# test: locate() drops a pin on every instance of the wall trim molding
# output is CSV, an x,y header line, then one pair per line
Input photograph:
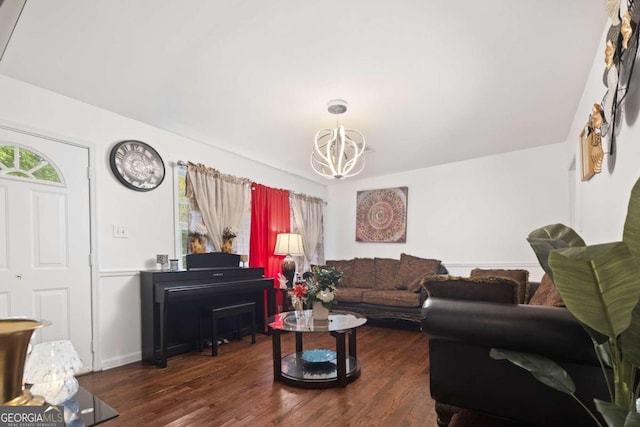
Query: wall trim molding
x,y
464,268
118,273
495,264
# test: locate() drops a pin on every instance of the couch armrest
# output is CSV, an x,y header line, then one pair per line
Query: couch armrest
x,y
552,332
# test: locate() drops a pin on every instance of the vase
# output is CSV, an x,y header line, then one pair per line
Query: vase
x,y
197,244
320,312
227,245
14,341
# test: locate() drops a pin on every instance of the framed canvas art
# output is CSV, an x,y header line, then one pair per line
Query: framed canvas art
x,y
381,215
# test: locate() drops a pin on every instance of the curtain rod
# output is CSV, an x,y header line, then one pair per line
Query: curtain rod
x,y
183,164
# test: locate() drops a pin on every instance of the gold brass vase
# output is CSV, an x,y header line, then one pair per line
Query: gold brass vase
x,y
14,340
227,245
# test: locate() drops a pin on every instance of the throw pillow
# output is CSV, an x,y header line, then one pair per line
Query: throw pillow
x,y
386,270
346,266
520,276
364,274
412,270
547,294
492,289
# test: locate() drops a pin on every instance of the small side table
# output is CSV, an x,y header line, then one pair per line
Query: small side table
x,y
89,408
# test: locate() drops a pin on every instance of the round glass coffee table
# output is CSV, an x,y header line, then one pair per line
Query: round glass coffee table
x,y
316,368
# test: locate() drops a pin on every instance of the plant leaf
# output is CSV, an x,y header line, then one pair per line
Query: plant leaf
x,y
613,414
595,335
630,338
599,284
632,420
631,233
554,236
544,370
604,351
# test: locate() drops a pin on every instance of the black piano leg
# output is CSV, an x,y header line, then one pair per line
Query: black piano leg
x,y
162,363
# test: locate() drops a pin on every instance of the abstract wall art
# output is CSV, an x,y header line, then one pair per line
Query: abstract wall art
x,y
381,215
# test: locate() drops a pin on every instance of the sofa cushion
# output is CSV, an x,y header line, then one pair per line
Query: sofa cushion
x,y
364,274
520,276
346,266
492,289
547,294
349,294
386,270
391,298
412,270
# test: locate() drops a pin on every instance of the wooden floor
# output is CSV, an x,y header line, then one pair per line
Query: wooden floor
x,y
237,388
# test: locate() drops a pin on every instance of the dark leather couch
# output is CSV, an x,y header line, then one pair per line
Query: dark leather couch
x,y
464,377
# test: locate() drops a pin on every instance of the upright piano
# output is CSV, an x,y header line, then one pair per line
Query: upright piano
x,y
170,301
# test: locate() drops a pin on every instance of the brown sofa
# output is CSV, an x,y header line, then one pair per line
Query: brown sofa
x,y
385,288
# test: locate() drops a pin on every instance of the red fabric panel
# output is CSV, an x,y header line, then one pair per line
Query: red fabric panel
x,y
270,215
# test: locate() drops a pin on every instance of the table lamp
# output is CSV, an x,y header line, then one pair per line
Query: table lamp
x,y
289,244
50,368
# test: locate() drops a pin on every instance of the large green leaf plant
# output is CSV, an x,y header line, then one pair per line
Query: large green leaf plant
x,y
600,285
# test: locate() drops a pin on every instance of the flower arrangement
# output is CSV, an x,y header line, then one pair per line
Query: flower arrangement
x,y
320,285
229,233
199,231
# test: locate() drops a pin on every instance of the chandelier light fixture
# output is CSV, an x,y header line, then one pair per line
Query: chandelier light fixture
x,y
338,153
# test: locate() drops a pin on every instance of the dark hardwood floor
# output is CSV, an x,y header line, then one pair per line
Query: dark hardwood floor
x,y
237,388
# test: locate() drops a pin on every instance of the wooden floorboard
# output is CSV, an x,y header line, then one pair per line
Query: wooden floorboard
x,y
236,388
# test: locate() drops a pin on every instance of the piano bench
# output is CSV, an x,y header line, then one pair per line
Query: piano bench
x,y
221,311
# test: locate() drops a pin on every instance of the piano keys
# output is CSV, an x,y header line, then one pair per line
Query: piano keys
x,y
170,301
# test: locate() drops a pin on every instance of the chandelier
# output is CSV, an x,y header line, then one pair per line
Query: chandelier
x,y
338,153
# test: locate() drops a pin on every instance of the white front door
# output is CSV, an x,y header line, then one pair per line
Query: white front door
x,y
45,241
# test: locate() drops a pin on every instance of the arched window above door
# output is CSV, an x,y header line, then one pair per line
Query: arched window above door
x,y
21,162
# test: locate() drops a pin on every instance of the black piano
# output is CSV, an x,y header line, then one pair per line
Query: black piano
x,y
170,301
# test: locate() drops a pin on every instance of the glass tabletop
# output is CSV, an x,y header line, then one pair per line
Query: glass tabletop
x,y
303,321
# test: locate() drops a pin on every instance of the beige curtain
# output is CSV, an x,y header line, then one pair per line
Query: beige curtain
x,y
307,220
223,200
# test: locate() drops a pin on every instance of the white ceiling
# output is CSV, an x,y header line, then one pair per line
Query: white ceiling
x,y
427,82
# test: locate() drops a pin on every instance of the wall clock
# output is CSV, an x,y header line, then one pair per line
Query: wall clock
x,y
137,165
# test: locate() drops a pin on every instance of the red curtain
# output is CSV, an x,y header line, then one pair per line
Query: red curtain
x,y
270,215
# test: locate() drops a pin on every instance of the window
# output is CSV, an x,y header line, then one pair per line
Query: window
x,y
183,215
189,218
19,162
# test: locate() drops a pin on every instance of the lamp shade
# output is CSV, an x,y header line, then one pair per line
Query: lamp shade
x,y
51,367
289,244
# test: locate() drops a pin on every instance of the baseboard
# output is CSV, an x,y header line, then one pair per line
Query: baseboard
x,y
125,359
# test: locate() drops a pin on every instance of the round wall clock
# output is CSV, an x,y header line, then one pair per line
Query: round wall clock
x,y
137,165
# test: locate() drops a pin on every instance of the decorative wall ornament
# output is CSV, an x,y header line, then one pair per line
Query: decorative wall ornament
x,y
620,53
591,151
586,160
381,215
136,165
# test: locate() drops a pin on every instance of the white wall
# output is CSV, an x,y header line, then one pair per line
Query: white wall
x,y
148,216
475,213
602,201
